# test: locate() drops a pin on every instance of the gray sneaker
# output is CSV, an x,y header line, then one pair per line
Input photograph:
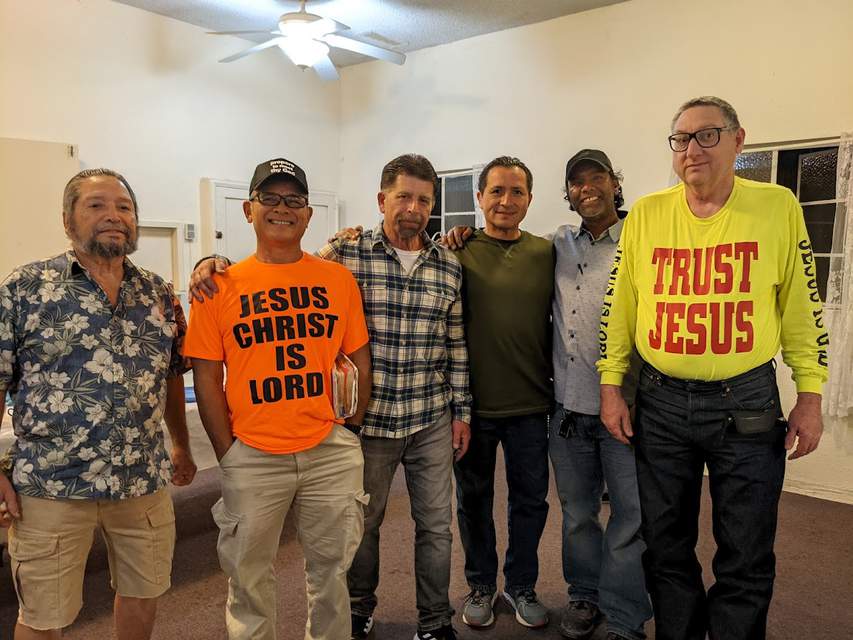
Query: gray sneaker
x,y
477,611
528,610
579,619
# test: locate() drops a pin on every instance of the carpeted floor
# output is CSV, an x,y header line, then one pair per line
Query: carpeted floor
x,y
813,600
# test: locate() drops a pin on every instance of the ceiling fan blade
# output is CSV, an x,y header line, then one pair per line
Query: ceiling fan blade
x,y
258,47
325,69
240,33
342,42
321,27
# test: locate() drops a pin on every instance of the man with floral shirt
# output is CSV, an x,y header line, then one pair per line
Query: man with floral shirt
x,y
90,351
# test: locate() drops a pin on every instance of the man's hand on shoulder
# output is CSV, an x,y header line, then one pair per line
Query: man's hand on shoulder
x,y
348,233
457,237
201,280
805,424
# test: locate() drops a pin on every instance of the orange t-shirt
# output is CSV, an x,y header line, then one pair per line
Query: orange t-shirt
x,y
278,329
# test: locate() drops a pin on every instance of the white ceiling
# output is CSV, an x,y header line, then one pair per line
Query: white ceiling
x,y
402,25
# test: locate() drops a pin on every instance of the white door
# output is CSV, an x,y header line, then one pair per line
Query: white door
x,y
235,238
324,221
32,178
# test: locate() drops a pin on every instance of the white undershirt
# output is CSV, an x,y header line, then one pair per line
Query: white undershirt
x,y
407,258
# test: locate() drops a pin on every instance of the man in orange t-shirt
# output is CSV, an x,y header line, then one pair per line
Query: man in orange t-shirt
x,y
277,326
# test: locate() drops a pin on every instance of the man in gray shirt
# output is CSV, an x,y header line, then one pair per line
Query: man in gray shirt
x,y
603,568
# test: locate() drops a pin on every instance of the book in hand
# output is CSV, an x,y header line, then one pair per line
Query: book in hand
x,y
344,386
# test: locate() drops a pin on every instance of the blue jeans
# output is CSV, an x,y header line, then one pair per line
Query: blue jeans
x,y
603,567
525,446
734,427
427,459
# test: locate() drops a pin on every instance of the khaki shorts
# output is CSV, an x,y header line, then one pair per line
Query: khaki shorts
x,y
51,542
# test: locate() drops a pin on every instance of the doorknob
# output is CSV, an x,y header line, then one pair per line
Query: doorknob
x,y
219,235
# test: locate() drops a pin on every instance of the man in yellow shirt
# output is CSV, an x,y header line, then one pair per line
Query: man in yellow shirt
x,y
711,277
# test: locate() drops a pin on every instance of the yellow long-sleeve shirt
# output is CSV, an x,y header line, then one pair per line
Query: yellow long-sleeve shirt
x,y
711,298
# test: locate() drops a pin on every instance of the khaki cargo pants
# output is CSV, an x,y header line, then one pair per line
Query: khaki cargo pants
x,y
324,487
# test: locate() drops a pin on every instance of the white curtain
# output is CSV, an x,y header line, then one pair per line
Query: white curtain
x,y
838,393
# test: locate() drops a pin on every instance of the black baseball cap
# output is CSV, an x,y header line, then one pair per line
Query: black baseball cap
x,y
588,155
277,167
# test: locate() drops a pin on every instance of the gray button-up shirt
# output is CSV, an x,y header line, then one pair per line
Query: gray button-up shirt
x,y
583,267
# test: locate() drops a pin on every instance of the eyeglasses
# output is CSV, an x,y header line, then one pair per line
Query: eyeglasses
x,y
705,138
291,200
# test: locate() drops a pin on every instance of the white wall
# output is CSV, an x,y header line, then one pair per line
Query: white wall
x,y
144,95
609,78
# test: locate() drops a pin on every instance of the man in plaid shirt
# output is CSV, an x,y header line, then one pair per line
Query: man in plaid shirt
x,y
420,407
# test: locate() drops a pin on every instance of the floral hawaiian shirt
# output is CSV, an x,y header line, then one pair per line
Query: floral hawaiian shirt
x,y
88,380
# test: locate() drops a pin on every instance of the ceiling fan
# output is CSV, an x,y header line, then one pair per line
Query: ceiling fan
x,y
305,38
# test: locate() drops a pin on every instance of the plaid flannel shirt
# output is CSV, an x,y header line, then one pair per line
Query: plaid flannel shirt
x,y
417,340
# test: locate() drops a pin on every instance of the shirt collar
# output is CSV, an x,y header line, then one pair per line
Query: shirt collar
x,y
74,264
614,231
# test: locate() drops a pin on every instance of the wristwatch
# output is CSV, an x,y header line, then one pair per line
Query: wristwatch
x,y
213,256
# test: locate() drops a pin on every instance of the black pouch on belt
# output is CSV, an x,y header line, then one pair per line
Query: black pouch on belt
x,y
752,422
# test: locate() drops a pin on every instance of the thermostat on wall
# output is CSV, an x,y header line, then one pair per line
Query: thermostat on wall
x,y
189,232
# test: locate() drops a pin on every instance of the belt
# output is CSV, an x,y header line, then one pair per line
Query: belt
x,y
709,385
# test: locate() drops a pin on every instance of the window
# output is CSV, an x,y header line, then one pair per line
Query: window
x,y
810,172
454,203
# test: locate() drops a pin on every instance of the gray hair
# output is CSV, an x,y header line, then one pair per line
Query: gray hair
x,y
728,111
72,189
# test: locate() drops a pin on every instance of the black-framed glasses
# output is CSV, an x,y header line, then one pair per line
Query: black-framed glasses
x,y
705,138
291,200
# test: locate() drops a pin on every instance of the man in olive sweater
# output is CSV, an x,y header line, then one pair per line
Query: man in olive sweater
x,y
507,287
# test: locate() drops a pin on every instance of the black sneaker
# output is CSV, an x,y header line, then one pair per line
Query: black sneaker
x,y
579,619
361,626
444,633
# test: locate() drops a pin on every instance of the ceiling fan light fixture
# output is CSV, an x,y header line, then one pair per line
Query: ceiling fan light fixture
x,y
304,52
293,24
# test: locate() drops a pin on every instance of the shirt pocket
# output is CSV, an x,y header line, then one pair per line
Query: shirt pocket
x,y
435,302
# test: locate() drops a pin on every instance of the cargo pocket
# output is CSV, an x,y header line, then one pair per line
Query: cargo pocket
x,y
35,571
354,523
228,546
161,523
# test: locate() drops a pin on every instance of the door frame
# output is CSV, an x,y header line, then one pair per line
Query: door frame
x,y
181,266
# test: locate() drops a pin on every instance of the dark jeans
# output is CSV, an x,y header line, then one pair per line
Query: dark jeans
x,y
600,566
525,446
732,427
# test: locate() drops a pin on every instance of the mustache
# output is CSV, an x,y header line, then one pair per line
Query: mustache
x,y
114,227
